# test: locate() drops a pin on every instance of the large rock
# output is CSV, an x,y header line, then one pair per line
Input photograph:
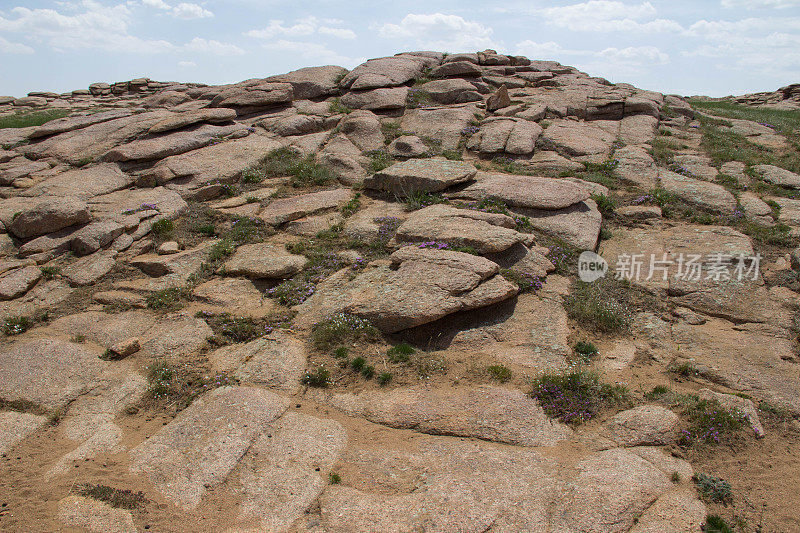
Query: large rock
x,y
17,282
63,125
276,361
377,99
484,412
15,427
285,210
422,290
407,178
264,260
577,225
511,135
312,82
456,69
286,469
697,192
572,138
525,191
445,124
202,445
382,72
182,120
451,91
176,143
49,215
47,372
363,129
486,232
248,98
93,515
778,176
643,425
83,183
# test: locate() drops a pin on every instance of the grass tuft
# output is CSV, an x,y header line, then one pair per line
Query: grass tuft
x,y
575,397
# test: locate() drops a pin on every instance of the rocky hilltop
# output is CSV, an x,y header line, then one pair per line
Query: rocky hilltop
x,y
335,300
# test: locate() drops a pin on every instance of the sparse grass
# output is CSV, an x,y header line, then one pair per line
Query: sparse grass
x,y
391,131
605,204
713,489
499,373
510,166
340,329
292,292
684,369
659,392
336,107
675,477
575,397
488,205
586,349
208,230
26,119
526,281
786,122
716,524
418,97
777,235
50,272
420,199
401,353
163,228
352,206
358,363
664,150
167,299
384,379
427,364
229,328
368,371
723,145
597,305
303,171
379,160
117,498
179,385
452,155
710,423
334,478
318,379
16,325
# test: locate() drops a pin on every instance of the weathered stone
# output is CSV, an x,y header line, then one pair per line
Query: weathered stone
x,y
15,427
183,263
460,69
382,72
47,372
377,99
445,124
364,130
485,412
312,82
451,91
573,138
498,100
175,143
578,225
486,232
408,146
17,282
778,176
181,120
49,215
195,452
88,270
697,192
83,183
285,210
276,361
505,134
406,178
643,425
525,191
264,260
94,515
246,99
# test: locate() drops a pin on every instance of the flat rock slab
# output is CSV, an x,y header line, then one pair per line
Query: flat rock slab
x,y
697,192
63,125
183,263
83,183
202,445
95,516
650,425
276,360
17,282
382,72
451,485
442,123
264,260
577,225
485,412
121,204
525,191
87,270
48,215
422,290
486,232
409,177
47,372
287,468
14,427
572,138
778,176
514,136
236,293
181,120
285,210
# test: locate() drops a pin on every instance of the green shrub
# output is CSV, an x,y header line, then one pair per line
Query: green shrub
x,y
391,130
235,328
710,423
526,281
716,524
368,371
166,299
575,397
336,107
292,292
401,353
50,272
32,118
595,305
605,204
352,206
358,363
384,379
499,373
420,199
658,392
162,227
16,325
713,489
342,328
341,352
117,498
379,160
319,379
586,349
334,478
302,170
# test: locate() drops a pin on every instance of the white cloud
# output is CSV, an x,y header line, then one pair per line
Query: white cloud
x,y
534,50
95,26
760,4
608,16
158,4
439,31
7,47
188,11
302,28
635,55
341,33
187,64
198,44
316,52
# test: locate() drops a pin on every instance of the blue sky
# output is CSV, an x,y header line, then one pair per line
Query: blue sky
x,y
713,47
